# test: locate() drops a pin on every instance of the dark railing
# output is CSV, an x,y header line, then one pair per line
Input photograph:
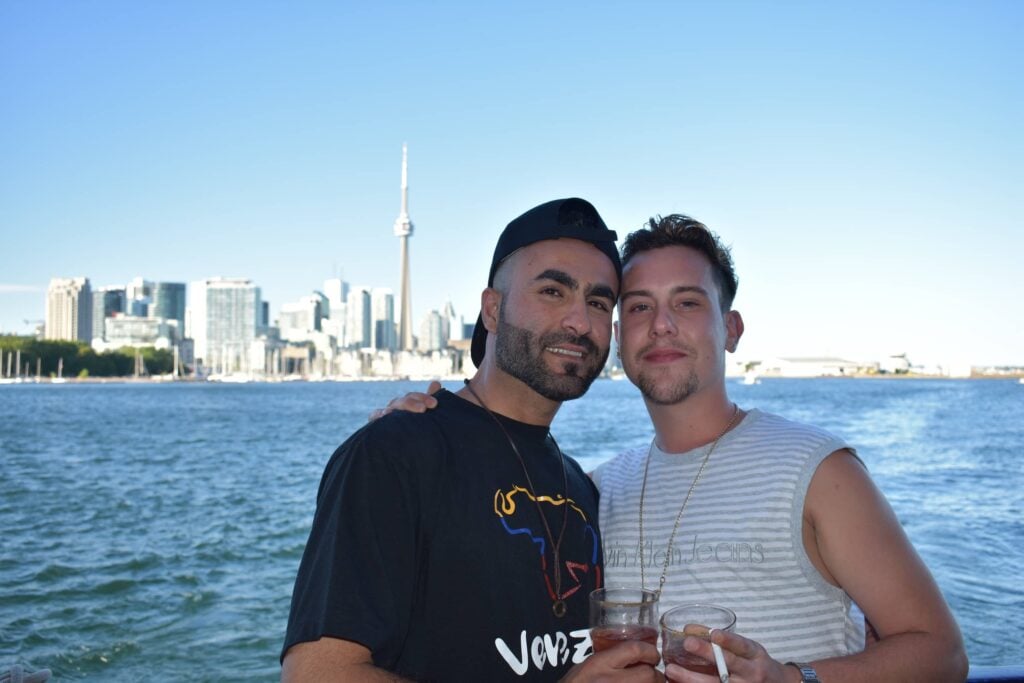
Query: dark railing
x,y
996,674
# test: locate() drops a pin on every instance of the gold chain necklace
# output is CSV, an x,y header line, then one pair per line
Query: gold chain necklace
x,y
557,603
679,516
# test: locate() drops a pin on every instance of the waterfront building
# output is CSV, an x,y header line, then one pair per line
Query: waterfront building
x,y
106,301
358,327
122,330
69,310
452,324
336,291
813,367
139,288
336,320
382,303
224,317
403,231
432,335
297,319
167,300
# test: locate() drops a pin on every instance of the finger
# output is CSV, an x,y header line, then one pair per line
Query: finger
x,y
374,415
674,673
630,653
414,402
736,644
434,387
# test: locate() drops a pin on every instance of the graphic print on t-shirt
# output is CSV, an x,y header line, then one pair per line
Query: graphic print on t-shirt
x,y
517,509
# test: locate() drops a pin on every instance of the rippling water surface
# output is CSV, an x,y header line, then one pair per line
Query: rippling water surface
x,y
152,532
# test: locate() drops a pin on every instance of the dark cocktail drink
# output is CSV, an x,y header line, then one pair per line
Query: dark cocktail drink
x,y
693,621
621,614
605,637
675,654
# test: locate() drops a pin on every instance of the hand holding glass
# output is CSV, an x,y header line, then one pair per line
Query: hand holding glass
x,y
696,620
619,614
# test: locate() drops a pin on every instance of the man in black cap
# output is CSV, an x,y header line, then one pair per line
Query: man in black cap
x,y
461,544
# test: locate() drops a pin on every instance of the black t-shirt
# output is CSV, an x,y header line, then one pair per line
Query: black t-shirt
x,y
427,547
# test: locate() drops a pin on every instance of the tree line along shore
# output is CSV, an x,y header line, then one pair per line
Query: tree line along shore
x,y
71,359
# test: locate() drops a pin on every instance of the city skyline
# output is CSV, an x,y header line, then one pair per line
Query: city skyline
x,y
864,161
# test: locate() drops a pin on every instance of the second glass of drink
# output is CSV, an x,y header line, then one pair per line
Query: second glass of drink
x,y
697,621
618,614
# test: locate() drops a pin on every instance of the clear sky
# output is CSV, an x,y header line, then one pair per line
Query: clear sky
x,y
865,160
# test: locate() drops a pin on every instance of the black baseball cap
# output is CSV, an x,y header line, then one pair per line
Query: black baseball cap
x,y
572,218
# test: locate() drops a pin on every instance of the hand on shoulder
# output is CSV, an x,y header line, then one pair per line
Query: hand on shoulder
x,y
413,402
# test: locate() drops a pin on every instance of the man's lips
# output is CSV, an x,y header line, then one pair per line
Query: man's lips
x,y
575,352
663,355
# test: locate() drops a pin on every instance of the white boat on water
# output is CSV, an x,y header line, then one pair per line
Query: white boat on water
x,y
751,377
59,379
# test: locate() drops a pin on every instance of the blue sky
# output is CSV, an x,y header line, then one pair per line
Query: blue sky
x,y
864,160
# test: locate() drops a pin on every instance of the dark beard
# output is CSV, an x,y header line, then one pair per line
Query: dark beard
x,y
519,352
668,396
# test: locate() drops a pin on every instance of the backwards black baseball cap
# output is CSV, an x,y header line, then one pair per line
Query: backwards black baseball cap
x,y
572,218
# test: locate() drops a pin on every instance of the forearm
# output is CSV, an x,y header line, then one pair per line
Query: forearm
x,y
924,657
323,671
334,661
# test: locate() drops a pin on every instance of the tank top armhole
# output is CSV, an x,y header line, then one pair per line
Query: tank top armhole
x,y
811,464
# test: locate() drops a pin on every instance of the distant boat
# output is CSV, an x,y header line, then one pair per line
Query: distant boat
x,y
751,377
230,378
59,379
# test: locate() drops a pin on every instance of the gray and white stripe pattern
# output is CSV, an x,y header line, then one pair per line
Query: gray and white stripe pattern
x,y
739,543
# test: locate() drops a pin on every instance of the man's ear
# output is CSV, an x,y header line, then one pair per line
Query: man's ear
x,y
490,307
733,330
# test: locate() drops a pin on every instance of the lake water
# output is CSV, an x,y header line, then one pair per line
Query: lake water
x,y
152,532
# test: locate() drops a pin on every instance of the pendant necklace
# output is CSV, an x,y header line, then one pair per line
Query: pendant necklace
x,y
558,607
682,508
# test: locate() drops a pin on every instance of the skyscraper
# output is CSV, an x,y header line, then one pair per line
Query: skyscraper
x,y
168,302
382,301
403,231
224,315
358,328
69,309
106,301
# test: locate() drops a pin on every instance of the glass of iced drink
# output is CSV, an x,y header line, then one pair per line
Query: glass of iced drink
x,y
696,620
618,614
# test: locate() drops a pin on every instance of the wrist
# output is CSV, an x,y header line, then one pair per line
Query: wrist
x,y
805,673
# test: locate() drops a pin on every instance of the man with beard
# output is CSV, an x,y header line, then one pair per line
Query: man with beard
x,y
461,544
777,520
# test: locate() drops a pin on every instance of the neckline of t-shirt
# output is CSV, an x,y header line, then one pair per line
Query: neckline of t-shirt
x,y
752,416
524,428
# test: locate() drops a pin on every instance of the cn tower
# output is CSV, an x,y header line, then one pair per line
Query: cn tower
x,y
403,231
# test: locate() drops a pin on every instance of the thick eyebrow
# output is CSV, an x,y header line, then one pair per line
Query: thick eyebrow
x,y
679,289
563,278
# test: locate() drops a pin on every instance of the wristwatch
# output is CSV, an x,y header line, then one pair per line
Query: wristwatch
x,y
807,672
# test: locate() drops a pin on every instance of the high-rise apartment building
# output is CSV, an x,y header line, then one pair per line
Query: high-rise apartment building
x,y
69,309
296,319
167,301
336,317
385,336
336,291
223,319
106,301
138,297
432,336
358,331
452,323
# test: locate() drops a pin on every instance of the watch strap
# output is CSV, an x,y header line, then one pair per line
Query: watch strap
x,y
807,672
